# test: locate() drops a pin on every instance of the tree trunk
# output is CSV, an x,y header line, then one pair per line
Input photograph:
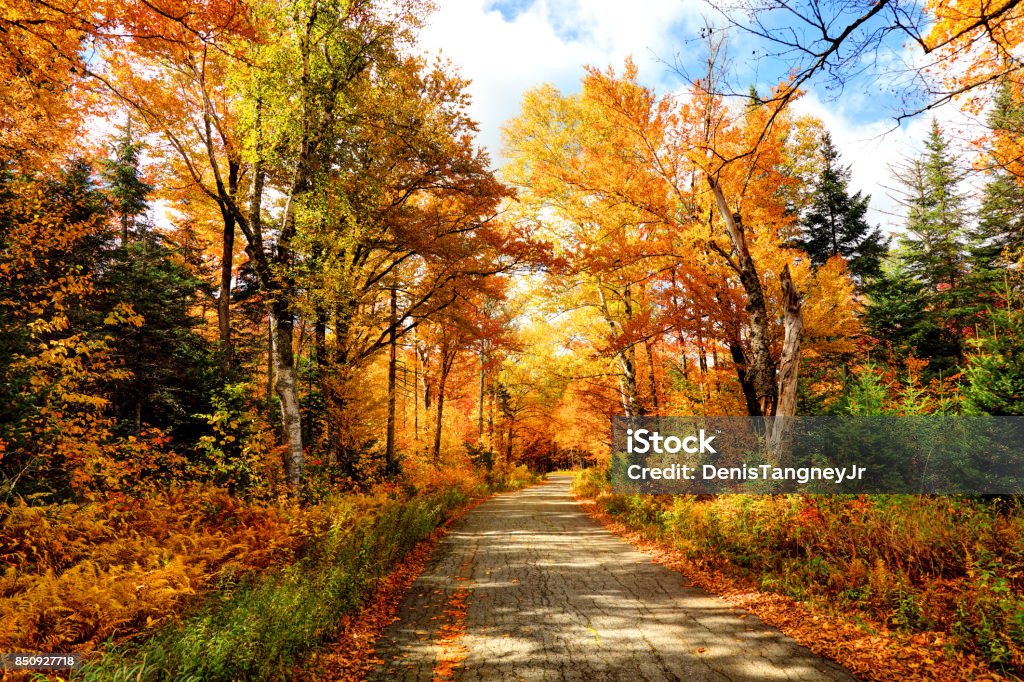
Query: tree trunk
x,y
789,363
321,360
286,387
630,402
627,380
652,379
490,418
508,442
227,255
440,415
416,395
761,368
480,410
739,360
270,363
224,298
389,449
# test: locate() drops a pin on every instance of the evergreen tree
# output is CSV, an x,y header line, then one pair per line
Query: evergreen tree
x,y
995,373
995,245
998,239
126,190
898,315
934,248
172,367
835,224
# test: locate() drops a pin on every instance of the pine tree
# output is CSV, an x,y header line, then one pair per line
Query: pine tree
x,y
995,373
898,315
835,223
171,365
934,249
173,369
998,239
125,188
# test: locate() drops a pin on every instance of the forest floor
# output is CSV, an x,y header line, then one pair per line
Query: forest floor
x,y
528,586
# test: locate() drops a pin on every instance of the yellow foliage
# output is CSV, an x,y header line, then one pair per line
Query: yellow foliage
x,y
77,575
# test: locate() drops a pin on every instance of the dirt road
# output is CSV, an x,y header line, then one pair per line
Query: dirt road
x,y
528,587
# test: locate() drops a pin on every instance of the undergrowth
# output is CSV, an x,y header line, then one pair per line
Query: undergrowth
x,y
912,563
258,629
194,583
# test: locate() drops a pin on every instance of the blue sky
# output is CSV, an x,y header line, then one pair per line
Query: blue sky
x,y
508,46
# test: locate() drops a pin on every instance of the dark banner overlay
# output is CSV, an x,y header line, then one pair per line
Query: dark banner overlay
x,y
885,454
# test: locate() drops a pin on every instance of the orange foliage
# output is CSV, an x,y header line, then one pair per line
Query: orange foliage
x,y
619,175
981,37
870,650
77,575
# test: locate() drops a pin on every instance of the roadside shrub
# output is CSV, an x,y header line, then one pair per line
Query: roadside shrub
x,y
259,628
504,477
912,562
590,482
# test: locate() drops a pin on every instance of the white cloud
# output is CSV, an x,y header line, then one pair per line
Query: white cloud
x,y
547,41
506,48
874,148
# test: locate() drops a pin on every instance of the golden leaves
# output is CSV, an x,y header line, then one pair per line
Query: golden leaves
x,y
79,574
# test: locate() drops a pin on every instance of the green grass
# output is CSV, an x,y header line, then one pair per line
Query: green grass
x,y
259,630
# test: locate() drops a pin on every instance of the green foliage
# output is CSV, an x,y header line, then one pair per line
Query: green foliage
x,y
990,612
934,248
936,215
126,191
899,313
871,391
835,224
481,455
995,372
173,369
998,239
234,450
864,396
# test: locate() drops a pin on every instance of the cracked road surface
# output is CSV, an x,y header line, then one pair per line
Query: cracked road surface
x,y
552,595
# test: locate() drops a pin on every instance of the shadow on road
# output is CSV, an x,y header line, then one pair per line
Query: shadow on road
x,y
554,596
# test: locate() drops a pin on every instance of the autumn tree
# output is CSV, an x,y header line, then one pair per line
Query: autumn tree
x,y
41,103
364,145
57,355
637,187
